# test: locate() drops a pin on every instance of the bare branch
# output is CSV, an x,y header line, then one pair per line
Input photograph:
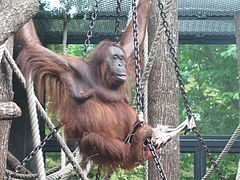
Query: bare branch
x,y
9,110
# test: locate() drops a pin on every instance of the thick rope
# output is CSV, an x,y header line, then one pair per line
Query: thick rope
x,y
61,142
64,42
63,156
224,152
35,129
22,176
153,51
34,176
145,88
33,117
46,118
150,60
62,173
238,172
2,49
66,172
55,172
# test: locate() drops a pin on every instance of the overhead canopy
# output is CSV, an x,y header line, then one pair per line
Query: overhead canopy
x,y
208,21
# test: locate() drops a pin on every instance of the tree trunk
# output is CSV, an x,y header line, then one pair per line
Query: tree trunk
x,y
237,27
19,12
163,91
12,17
6,95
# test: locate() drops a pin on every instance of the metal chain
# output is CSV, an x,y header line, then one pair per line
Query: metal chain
x,y
90,27
117,21
31,154
212,160
156,159
138,99
182,88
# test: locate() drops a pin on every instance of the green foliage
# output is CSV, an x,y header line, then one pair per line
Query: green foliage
x,y
186,166
210,76
72,49
52,159
228,166
77,49
137,173
57,48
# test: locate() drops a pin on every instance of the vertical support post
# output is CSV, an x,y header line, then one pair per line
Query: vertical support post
x,y
237,27
200,163
6,94
13,14
65,33
237,31
163,89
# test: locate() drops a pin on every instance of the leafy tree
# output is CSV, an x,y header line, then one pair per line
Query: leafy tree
x,y
210,76
72,49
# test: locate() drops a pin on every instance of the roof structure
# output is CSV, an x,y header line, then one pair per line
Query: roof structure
x,y
205,21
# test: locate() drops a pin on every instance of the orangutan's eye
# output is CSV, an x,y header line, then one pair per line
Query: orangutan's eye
x,y
115,56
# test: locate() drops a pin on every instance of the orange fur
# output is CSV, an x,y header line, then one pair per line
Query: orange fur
x,y
95,113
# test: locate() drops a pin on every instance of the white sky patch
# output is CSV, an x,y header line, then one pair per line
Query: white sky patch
x,y
73,10
51,4
55,4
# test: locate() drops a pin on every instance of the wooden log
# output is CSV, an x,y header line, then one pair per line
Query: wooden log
x,y
6,95
15,15
13,162
237,27
9,110
163,89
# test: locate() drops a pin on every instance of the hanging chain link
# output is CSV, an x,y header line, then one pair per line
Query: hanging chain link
x,y
34,152
156,159
212,160
117,21
90,27
182,88
138,99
